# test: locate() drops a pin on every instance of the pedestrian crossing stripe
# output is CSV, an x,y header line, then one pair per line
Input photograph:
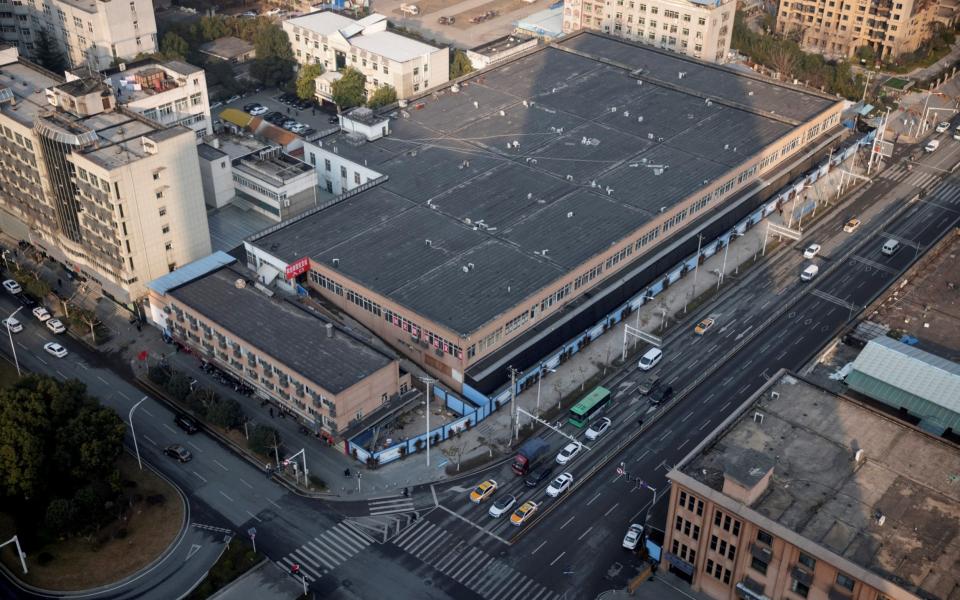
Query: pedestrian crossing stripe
x,y
485,575
324,553
390,505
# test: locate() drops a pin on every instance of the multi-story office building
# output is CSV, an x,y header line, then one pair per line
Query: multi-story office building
x,y
170,93
274,184
89,32
104,190
838,28
384,57
698,28
805,494
325,375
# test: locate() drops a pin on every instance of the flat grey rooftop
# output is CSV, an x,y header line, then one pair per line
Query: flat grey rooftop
x,y
810,437
291,335
563,149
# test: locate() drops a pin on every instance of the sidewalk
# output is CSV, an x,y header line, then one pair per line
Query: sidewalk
x,y
266,581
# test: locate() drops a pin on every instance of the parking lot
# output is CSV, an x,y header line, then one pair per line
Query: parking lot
x,y
317,118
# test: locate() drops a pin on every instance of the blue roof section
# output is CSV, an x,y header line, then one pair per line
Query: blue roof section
x,y
191,271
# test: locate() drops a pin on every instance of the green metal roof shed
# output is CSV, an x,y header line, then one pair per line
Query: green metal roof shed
x,y
902,376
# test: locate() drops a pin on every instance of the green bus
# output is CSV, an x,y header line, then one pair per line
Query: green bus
x,y
588,407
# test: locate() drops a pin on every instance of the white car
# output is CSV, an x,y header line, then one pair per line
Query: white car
x,y
811,251
650,359
55,349
13,325
55,326
932,146
41,314
259,110
634,533
12,286
598,428
559,485
502,506
943,126
569,452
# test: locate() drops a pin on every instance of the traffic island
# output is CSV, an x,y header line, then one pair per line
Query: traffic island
x,y
153,517
238,558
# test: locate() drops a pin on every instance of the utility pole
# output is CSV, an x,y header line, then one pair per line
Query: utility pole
x,y
13,348
513,402
133,432
427,381
696,270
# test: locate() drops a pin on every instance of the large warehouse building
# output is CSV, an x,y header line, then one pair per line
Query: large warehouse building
x,y
488,223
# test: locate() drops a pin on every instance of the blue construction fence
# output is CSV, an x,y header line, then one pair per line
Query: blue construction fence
x,y
475,406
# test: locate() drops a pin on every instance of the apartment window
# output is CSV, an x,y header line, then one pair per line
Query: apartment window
x,y
416,87
162,211
727,522
731,552
181,105
723,547
807,561
156,176
168,246
701,21
766,538
713,542
717,518
165,110
683,499
709,568
760,566
799,589
165,229
343,172
686,528
692,556
700,508
386,71
845,582
326,164
696,532
726,576
736,528
159,195
196,99
356,178
679,524
77,22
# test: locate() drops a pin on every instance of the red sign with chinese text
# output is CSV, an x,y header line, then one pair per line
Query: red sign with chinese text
x,y
302,265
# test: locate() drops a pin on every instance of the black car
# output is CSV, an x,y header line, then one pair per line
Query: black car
x,y
333,119
186,423
178,452
287,98
249,107
538,475
26,301
661,395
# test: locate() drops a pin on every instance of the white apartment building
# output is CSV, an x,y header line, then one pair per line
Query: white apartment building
x,y
274,184
89,32
170,93
338,158
109,193
699,28
384,57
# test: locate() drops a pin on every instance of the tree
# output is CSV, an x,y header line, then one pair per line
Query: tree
x,y
350,89
220,74
226,413
263,439
48,53
274,62
59,515
178,386
460,64
173,47
382,96
306,81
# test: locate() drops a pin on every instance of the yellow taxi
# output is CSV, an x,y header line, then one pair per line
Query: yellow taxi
x,y
704,325
522,514
483,491
851,225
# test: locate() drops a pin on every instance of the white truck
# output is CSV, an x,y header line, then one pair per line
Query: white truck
x,y
410,9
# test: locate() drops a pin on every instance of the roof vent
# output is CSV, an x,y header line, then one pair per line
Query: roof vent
x,y
570,214
429,243
240,283
859,456
880,517
758,418
476,104
329,327
470,266
336,262
465,269
503,113
640,119
455,88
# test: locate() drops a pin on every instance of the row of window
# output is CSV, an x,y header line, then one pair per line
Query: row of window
x,y
688,528
684,552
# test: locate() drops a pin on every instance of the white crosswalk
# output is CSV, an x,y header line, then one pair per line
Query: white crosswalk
x,y
390,505
321,555
917,176
489,577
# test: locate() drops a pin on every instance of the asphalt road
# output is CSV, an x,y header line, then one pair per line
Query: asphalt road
x,y
582,532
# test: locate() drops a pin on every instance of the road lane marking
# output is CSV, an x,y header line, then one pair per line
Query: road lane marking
x,y
196,447
724,407
244,482
124,395
582,535
709,397
146,437
102,380
611,509
743,389
41,360
559,556
595,497
149,414
568,521
273,503
226,496
22,346
642,456
199,476
688,415
472,524
665,436
705,423
170,429
83,365
219,464
538,547
255,517
60,374
680,447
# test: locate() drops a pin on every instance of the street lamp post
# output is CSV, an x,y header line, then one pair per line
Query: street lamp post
x,y
133,432
539,379
12,346
428,382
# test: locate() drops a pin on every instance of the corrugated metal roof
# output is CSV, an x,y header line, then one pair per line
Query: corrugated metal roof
x,y
911,370
236,116
191,271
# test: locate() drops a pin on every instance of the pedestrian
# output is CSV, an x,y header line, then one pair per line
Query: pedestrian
x,y
271,412
313,112
288,110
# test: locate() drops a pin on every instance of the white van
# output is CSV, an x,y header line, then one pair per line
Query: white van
x,y
809,273
932,145
650,359
890,247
